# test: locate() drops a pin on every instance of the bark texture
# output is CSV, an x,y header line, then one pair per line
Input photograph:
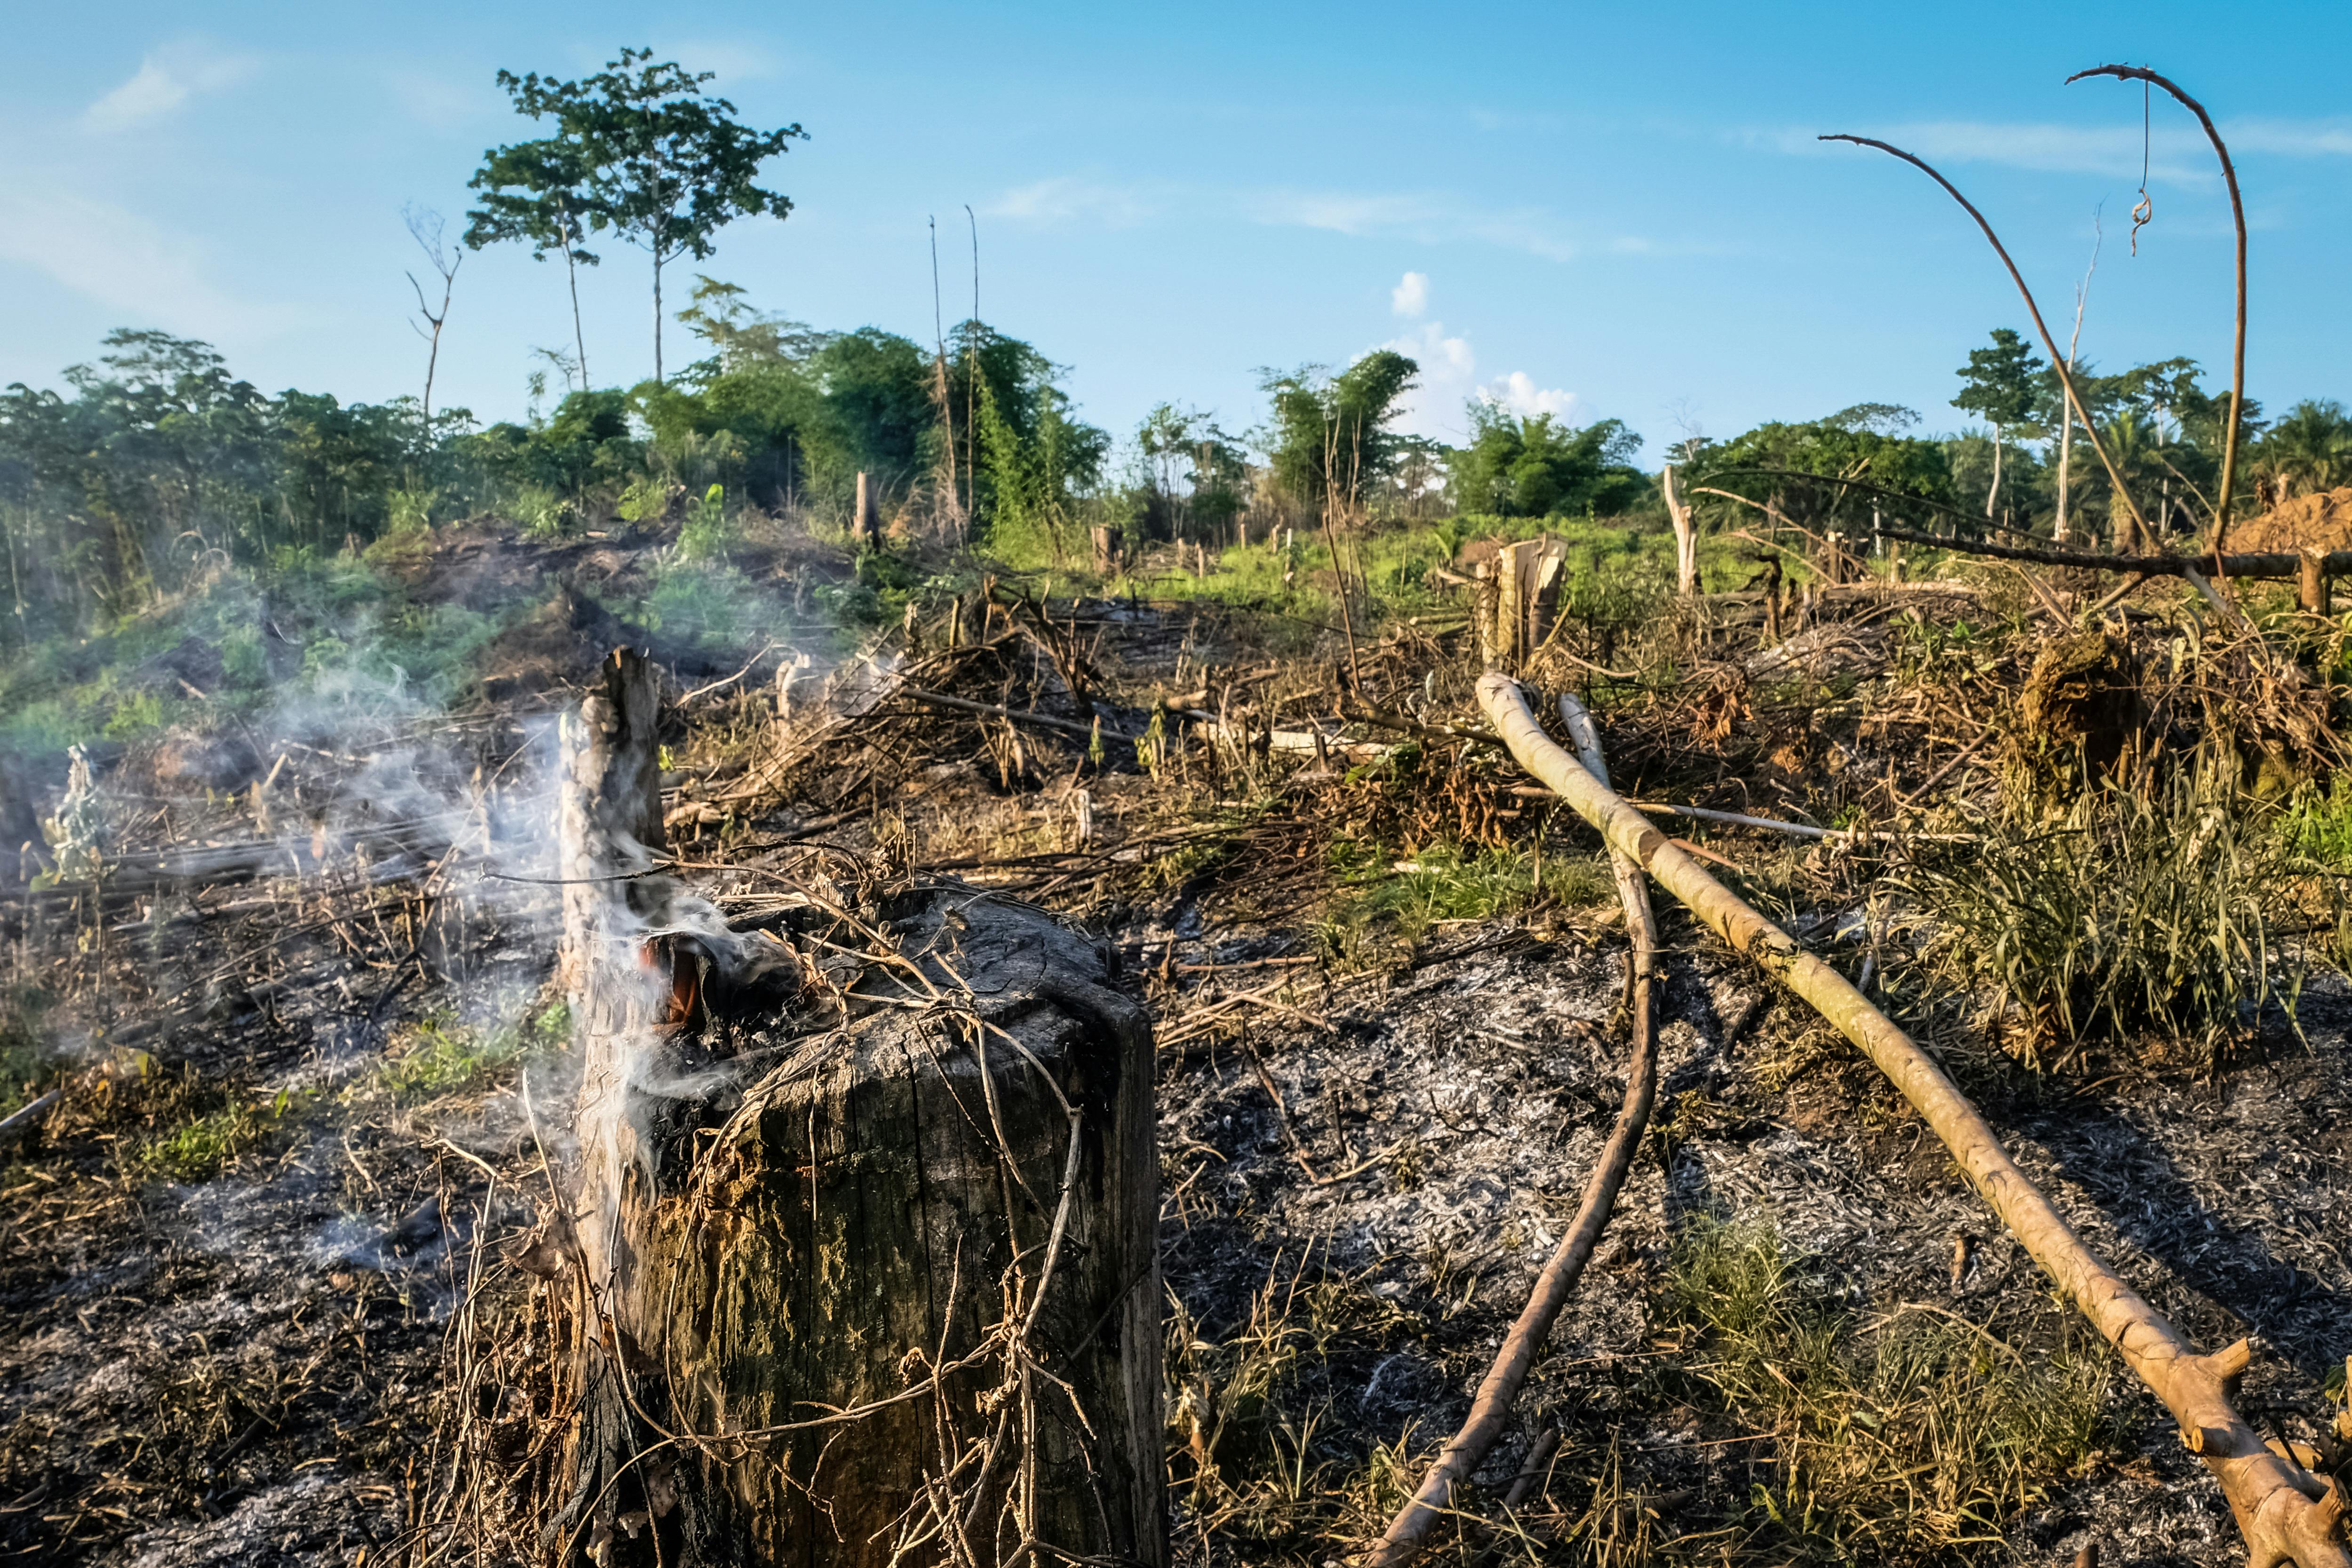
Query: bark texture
x,y
865,1218
2287,1515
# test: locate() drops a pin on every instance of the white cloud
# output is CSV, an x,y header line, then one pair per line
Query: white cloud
x,y
1449,382
1072,199
1410,297
1519,393
124,261
165,79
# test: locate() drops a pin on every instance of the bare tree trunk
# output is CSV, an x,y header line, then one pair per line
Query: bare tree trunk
x,y
572,277
657,318
1685,535
2287,1515
1995,490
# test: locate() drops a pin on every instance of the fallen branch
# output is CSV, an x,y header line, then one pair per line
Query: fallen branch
x,y
1017,715
27,1117
2287,1514
1461,1457
2277,563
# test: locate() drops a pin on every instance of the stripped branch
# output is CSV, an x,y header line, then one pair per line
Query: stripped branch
x,y
1492,1406
2287,1515
2238,344
2066,376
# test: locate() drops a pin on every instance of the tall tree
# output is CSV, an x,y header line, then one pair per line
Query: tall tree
x,y
1331,433
536,193
656,160
1998,386
673,165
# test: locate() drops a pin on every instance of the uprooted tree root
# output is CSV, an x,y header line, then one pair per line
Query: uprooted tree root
x,y
2287,1514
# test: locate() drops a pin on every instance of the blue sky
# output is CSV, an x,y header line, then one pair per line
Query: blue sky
x,y
1594,210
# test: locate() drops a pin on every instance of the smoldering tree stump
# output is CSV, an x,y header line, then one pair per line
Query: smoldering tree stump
x,y
865,1218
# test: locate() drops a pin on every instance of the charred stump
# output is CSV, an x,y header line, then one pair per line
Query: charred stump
x,y
865,1214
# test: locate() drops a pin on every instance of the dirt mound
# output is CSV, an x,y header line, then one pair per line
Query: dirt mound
x,y
2324,519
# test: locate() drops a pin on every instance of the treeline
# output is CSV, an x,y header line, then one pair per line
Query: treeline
x,y
2162,429
156,464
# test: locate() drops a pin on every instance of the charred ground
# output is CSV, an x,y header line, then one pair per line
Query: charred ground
x,y
256,1271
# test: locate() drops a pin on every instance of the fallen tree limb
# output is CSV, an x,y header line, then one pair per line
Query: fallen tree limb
x,y
1492,1406
2273,564
1017,715
2287,1515
26,1118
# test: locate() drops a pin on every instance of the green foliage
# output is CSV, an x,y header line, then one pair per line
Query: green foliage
x,y
1332,432
440,1056
2309,450
200,1146
638,149
1445,883
1998,384
1797,468
706,534
1530,466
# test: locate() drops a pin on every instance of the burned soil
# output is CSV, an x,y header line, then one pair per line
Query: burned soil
x,y
314,1078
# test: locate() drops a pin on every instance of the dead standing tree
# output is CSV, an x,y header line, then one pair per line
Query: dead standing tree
x,y
864,1216
2287,1514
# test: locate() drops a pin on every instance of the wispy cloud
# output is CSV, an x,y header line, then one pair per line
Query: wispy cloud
x,y
123,260
1424,216
2293,138
165,79
2175,155
1428,217
1076,199
1410,297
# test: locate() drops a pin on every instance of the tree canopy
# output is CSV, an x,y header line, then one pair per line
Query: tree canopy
x,y
1533,466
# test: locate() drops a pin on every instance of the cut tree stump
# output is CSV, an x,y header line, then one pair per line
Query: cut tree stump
x,y
865,1216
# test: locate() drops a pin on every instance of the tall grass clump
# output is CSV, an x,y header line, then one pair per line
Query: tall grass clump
x,y
2139,907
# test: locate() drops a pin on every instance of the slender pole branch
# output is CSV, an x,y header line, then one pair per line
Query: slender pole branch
x,y
2238,347
2049,343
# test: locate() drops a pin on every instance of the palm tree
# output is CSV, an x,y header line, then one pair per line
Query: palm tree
x,y
2310,449
2138,452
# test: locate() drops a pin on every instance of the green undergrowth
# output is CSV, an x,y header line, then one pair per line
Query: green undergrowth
x,y
195,1130
2138,909
1912,1437
438,1056
1444,884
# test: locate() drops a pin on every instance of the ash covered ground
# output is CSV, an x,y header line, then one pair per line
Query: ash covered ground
x,y
311,1090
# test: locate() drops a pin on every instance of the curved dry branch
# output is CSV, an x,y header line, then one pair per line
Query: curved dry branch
x,y
2057,360
2287,1515
1492,1406
2238,347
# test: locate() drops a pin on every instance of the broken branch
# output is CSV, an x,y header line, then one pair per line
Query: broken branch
x,y
2287,1515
